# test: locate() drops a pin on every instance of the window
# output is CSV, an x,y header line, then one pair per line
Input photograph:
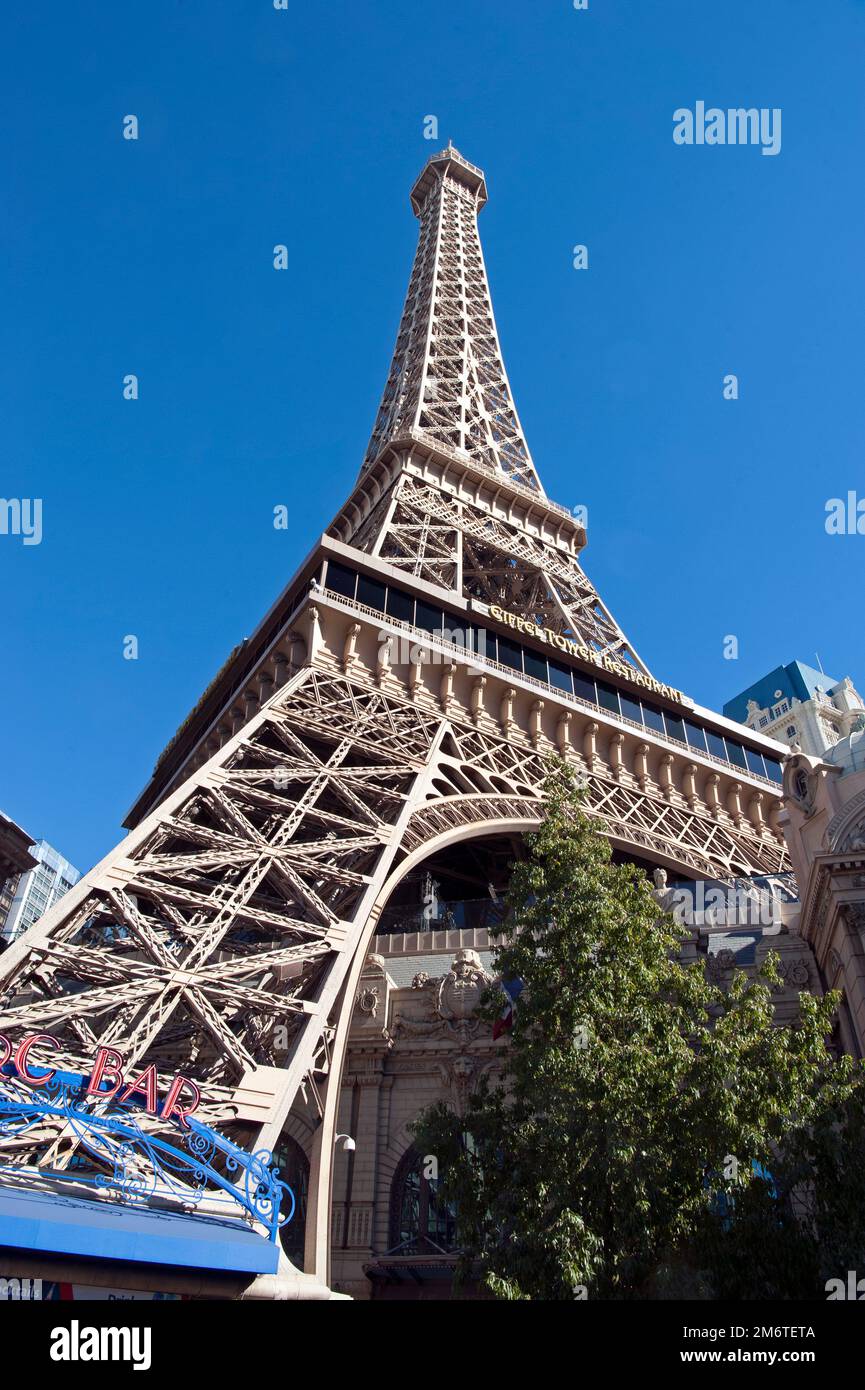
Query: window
x,y
773,770
653,719
535,665
510,653
716,745
608,697
340,579
461,634
696,736
400,605
421,1221
485,644
429,618
561,677
631,709
755,762
736,753
585,688
370,592
293,1166
675,727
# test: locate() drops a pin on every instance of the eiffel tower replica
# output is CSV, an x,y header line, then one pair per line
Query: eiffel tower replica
x,y
403,694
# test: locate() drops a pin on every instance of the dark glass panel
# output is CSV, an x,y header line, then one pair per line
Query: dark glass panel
x,y
535,665
716,745
631,709
608,697
653,718
773,770
696,736
735,753
560,677
510,653
485,644
755,762
400,605
458,632
370,592
675,727
429,618
340,579
585,688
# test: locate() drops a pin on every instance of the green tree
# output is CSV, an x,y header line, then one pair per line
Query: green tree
x,y
626,1147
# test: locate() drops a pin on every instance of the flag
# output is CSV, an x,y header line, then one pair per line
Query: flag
x,y
512,989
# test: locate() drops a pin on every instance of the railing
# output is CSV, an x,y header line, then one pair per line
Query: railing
x,y
470,658
465,914
460,456
733,903
139,1168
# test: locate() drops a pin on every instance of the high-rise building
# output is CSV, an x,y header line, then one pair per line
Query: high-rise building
x,y
804,708
15,860
37,889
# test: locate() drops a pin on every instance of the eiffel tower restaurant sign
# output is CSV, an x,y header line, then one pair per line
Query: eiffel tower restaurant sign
x,y
583,653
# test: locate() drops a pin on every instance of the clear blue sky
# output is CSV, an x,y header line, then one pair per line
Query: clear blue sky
x,y
258,387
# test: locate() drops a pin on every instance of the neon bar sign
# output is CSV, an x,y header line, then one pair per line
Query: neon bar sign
x,y
107,1080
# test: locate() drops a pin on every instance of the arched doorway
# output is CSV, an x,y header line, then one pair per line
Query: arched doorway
x,y
293,1166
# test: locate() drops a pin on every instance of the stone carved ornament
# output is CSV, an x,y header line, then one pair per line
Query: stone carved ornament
x,y
800,782
453,998
794,970
854,839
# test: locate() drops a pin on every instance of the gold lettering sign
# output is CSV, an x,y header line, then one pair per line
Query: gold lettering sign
x,y
565,644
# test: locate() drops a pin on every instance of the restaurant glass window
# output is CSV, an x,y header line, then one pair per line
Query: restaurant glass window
x,y
653,719
736,753
429,618
371,592
755,762
535,665
631,709
608,697
400,605
675,727
340,579
561,677
716,745
510,653
696,736
584,687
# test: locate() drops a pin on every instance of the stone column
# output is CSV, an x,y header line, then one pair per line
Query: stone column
x,y
535,729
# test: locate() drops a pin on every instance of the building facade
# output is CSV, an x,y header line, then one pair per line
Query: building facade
x,y
803,708
15,860
37,890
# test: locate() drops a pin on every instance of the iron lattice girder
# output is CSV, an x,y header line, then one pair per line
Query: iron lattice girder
x,y
173,942
224,928
447,376
437,537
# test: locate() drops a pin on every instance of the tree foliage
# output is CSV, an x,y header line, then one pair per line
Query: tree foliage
x,y
649,1131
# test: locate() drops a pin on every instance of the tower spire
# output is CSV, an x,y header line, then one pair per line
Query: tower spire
x,y
447,380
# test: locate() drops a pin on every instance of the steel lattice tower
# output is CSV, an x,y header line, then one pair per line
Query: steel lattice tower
x,y
351,737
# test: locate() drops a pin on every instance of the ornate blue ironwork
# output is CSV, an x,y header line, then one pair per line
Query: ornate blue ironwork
x,y
142,1168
